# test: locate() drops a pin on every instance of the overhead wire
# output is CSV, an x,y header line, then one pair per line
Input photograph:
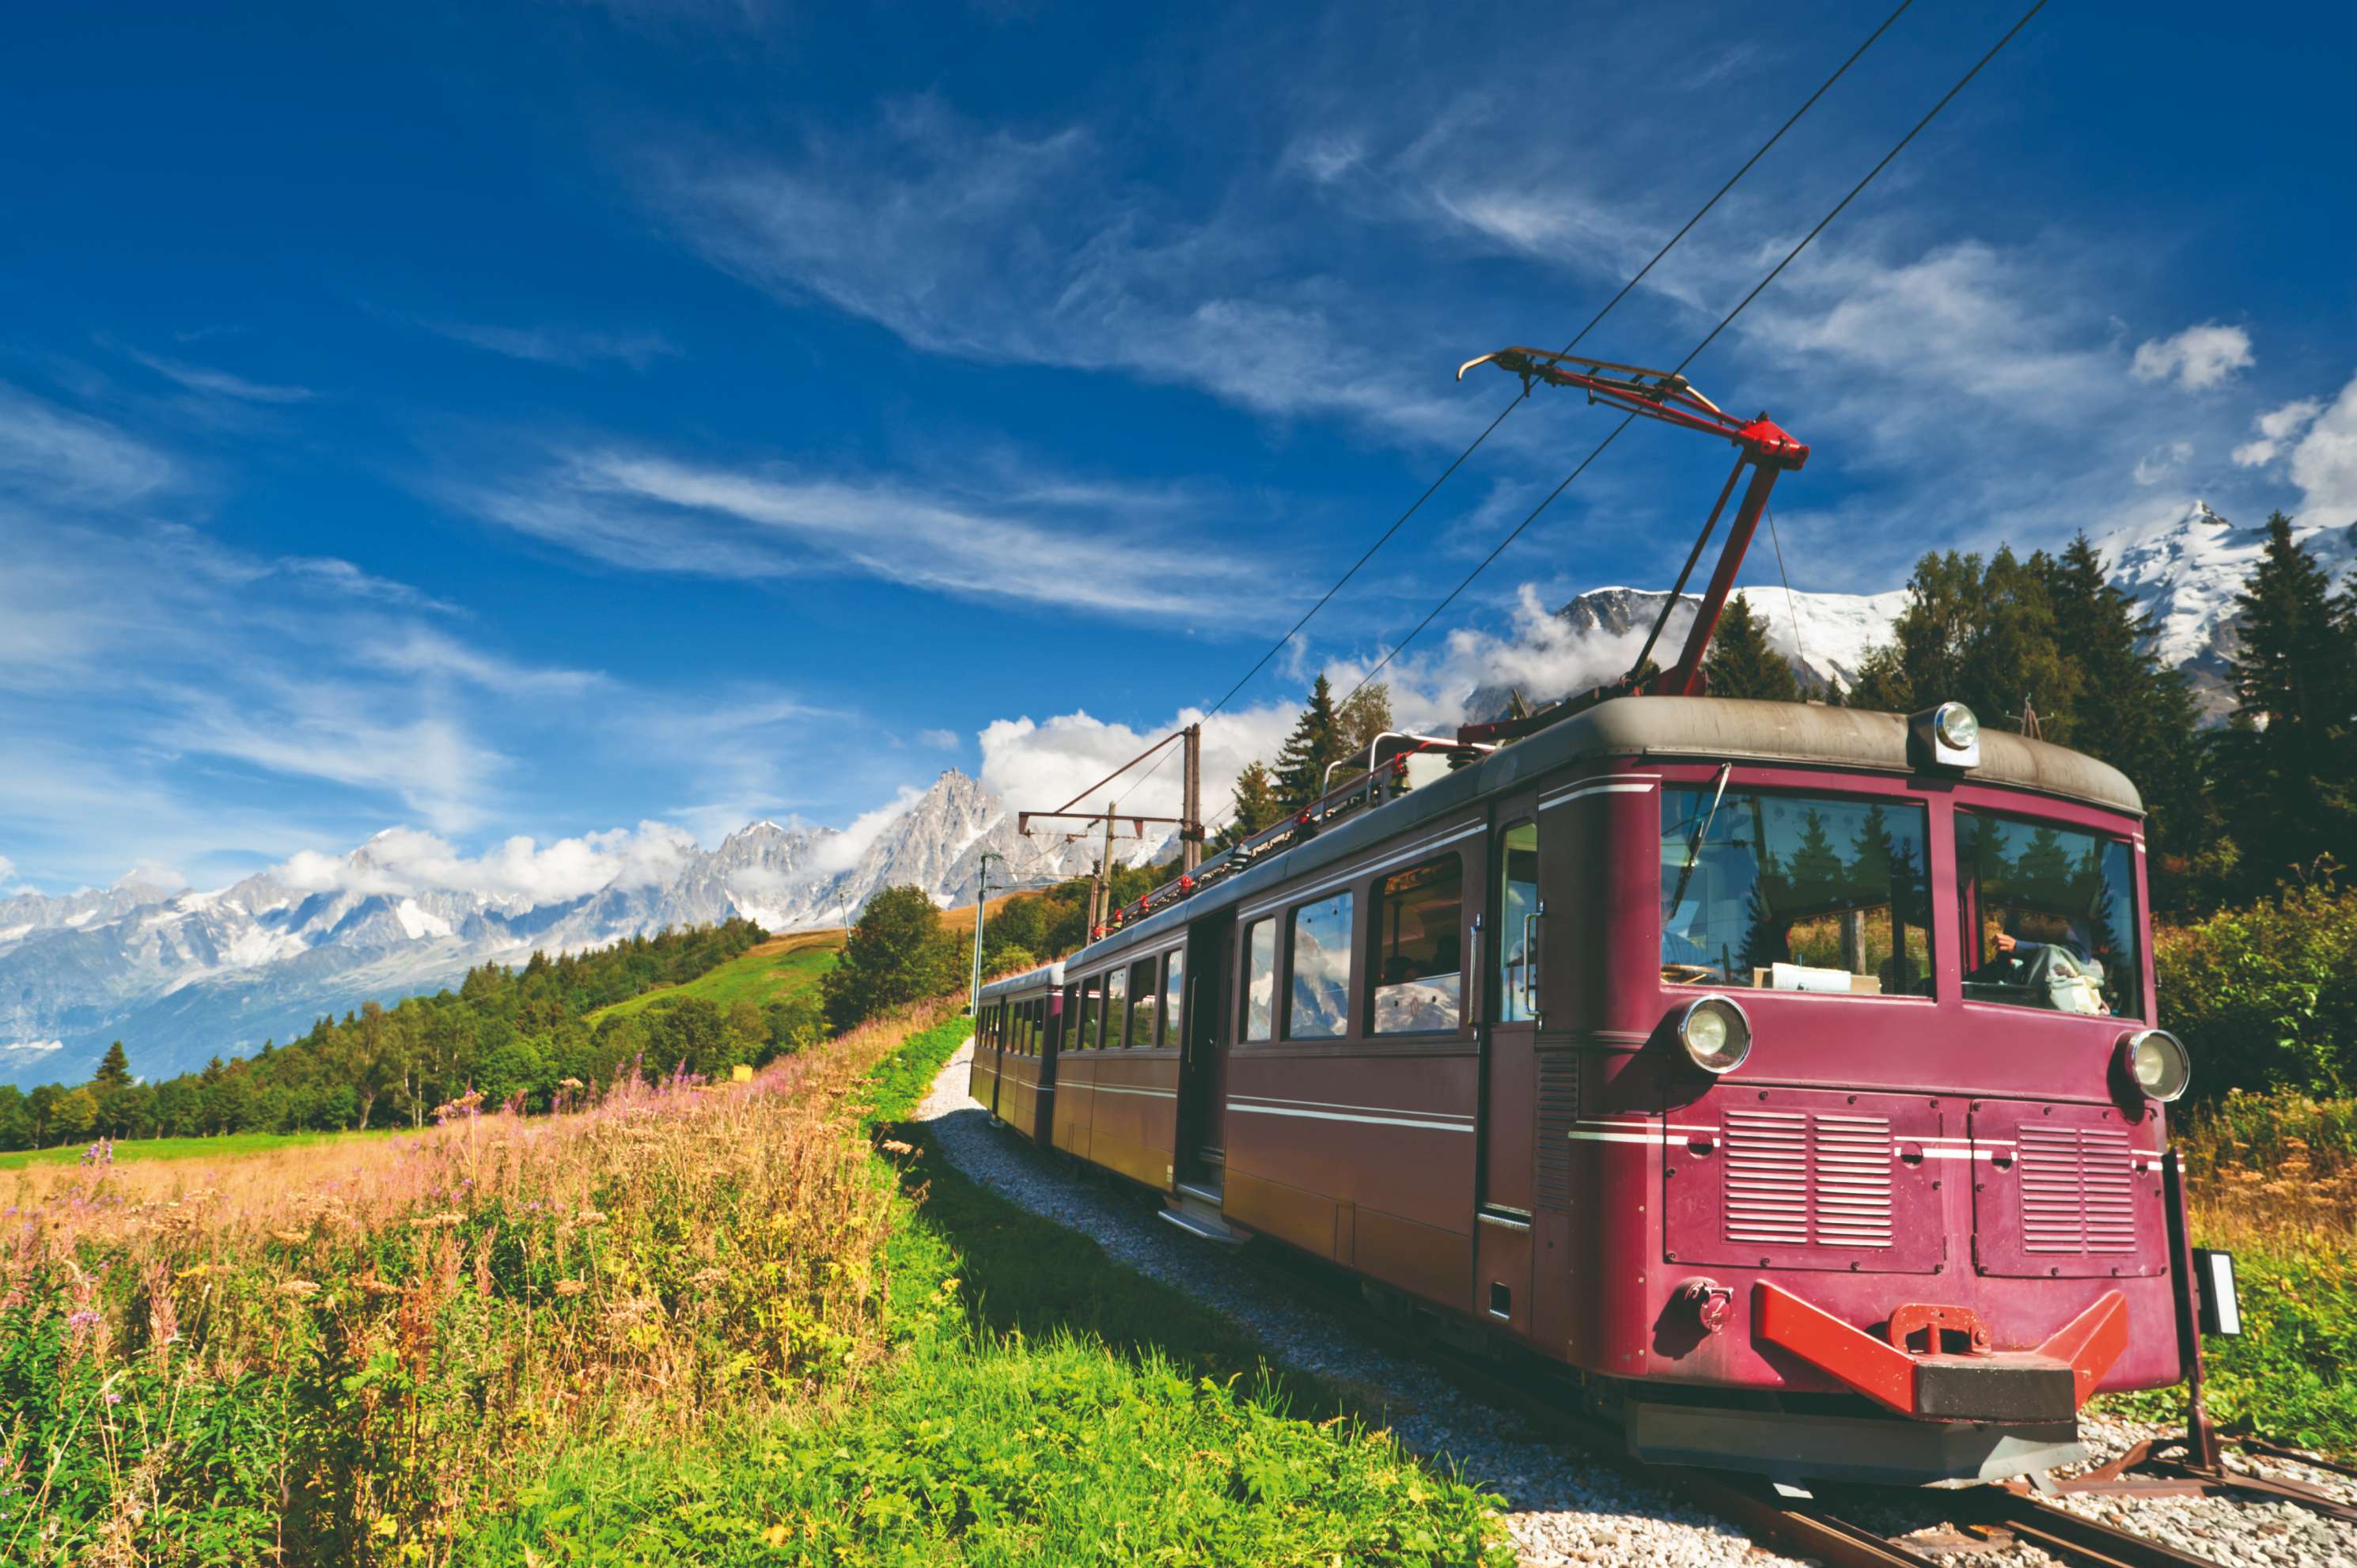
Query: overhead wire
x,y
1475,444
1709,339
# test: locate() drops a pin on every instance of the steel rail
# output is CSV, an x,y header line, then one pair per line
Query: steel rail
x,y
1807,1527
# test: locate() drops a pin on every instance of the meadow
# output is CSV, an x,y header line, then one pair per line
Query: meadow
x,y
2273,1178
230,1145
765,972
689,1322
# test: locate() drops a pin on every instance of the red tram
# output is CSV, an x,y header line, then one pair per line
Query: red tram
x,y
1786,1071
1797,1088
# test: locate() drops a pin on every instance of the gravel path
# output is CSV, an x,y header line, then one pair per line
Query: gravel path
x,y
1562,1511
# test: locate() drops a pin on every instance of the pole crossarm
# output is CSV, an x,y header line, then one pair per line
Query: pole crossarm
x,y
1023,819
1662,396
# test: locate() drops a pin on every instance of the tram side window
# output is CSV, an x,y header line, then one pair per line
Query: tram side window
x,y
1143,1000
2048,917
1260,980
1174,998
1419,940
1039,1025
1318,1007
1092,1011
1795,892
1116,1007
1518,907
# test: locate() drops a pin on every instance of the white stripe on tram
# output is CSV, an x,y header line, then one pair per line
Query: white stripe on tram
x,y
1580,792
1338,1116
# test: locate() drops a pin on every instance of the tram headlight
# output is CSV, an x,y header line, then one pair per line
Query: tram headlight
x,y
1948,736
1716,1033
2156,1062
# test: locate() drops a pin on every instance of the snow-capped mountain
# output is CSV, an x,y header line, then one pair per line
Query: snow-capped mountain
x,y
183,976
2184,571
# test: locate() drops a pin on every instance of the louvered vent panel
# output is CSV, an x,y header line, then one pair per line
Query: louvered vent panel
x,y
2077,1190
1558,1113
1794,1180
1767,1192
1852,1196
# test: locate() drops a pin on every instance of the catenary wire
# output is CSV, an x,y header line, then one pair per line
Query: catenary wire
x,y
1639,276
1709,339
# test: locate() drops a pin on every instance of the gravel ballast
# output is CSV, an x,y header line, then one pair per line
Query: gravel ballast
x,y
1560,1509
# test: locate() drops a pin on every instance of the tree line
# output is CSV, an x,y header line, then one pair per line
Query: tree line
x,y
519,1037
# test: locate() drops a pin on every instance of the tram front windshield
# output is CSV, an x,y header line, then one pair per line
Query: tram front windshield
x,y
1795,892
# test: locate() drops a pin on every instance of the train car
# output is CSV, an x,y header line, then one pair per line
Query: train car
x,y
1787,1072
1019,1025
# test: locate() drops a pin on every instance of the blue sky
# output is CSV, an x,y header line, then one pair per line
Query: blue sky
x,y
548,419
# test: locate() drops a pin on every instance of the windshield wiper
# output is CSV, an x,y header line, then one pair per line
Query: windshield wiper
x,y
1695,842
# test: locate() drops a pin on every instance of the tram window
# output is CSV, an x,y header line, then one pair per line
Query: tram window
x,y
1116,1007
1419,937
1518,905
1174,998
1260,980
1142,997
1796,893
1319,1005
1092,1011
2048,917
1071,1015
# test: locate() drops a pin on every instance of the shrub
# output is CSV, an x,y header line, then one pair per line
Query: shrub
x,y
2266,994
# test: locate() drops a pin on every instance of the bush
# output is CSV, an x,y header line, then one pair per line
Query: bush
x,y
2266,994
898,955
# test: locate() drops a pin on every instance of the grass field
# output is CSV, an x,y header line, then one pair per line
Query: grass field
x,y
762,974
131,1150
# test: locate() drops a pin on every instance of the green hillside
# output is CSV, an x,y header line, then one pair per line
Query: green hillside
x,y
770,972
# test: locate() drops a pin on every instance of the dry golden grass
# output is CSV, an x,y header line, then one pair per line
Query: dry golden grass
x,y
2275,1174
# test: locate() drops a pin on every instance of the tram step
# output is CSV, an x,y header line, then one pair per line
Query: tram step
x,y
1201,1194
1194,1219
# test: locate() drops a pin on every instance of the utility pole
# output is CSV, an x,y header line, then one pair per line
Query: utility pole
x,y
1104,899
1191,810
981,906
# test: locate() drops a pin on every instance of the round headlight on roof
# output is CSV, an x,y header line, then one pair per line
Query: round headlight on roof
x,y
1956,726
1716,1033
2156,1062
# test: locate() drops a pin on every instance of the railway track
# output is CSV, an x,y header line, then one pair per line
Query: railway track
x,y
1982,1518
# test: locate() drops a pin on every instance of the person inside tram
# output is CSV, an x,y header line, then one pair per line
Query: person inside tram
x,y
2051,966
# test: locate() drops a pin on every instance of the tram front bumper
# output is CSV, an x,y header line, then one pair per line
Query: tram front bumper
x,y
2047,1384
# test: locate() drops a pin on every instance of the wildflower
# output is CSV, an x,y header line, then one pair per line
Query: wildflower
x,y
893,1146
708,1276
570,1287
301,1290
85,1318
291,1237
114,1399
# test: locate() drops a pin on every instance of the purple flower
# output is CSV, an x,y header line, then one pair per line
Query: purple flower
x,y
82,1319
114,1399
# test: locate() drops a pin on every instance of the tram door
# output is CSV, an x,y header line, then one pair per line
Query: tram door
x,y
1505,995
1203,1062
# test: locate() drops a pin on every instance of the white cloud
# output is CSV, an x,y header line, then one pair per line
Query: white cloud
x,y
994,246
54,454
519,871
940,739
2203,356
1037,766
2163,462
841,852
220,384
2324,464
153,874
653,513
572,347
2274,427
8,871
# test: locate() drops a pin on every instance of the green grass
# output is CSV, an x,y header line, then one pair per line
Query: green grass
x,y
1046,1405
130,1149
761,975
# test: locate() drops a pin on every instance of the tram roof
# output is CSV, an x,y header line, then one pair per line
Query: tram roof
x,y
1048,974
1707,729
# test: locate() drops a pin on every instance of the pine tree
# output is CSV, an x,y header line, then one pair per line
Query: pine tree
x,y
1978,633
2134,712
1742,664
1256,805
1315,744
2290,756
115,1071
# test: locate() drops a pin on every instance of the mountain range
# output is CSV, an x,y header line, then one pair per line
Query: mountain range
x,y
180,975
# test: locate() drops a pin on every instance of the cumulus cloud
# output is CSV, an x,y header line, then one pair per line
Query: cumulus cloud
x,y
2203,356
152,873
841,852
2324,464
1036,764
2274,427
403,862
